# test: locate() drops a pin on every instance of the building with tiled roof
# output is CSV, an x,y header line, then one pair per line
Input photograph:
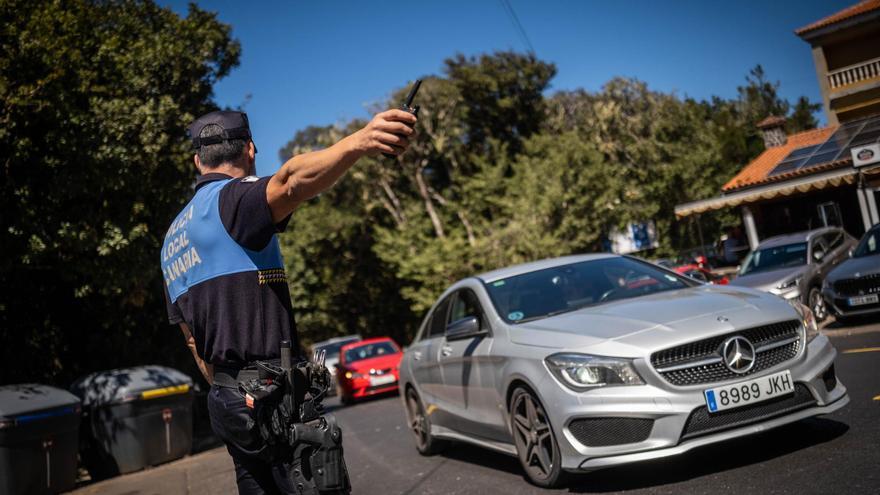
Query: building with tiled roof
x,y
846,54
809,179
856,10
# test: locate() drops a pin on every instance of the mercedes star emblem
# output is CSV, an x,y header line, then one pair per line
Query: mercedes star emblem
x,y
738,354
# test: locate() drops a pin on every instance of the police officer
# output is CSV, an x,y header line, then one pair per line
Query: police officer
x,y
225,281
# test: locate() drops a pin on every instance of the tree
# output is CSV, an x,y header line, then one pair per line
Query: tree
x,y
96,97
502,95
501,174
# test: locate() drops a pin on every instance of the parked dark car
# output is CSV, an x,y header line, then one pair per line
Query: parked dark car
x,y
793,266
853,288
331,348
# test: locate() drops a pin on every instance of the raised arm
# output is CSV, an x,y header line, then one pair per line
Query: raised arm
x,y
307,175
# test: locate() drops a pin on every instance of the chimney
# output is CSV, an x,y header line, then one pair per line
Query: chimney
x,y
773,129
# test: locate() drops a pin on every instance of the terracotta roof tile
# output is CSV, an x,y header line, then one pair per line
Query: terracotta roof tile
x,y
859,8
771,121
756,171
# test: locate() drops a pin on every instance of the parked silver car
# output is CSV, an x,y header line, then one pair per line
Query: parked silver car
x,y
578,363
793,266
853,288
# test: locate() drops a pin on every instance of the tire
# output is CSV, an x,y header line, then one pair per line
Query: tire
x,y
420,426
817,304
536,445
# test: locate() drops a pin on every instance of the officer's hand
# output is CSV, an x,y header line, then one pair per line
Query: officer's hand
x,y
388,132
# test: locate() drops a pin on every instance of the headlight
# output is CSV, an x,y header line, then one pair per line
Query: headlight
x,y
789,284
354,374
583,371
807,318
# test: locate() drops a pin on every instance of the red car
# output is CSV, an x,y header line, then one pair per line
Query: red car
x,y
368,367
701,273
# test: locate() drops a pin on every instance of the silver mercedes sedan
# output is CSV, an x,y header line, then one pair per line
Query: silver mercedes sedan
x,y
583,362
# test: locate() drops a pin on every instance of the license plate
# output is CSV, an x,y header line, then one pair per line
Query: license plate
x,y
860,300
382,380
750,392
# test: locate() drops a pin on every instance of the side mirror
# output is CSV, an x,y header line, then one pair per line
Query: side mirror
x,y
464,328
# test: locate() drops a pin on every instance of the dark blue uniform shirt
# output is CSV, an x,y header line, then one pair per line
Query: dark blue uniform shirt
x,y
224,276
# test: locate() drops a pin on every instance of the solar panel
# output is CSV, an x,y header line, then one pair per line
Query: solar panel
x,y
865,138
836,147
793,161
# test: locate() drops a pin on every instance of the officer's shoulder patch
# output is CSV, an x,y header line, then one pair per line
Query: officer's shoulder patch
x,y
250,178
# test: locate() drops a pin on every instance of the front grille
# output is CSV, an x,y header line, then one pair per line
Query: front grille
x,y
602,432
869,284
700,362
702,422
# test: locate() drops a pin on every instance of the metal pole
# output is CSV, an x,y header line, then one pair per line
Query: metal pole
x,y
751,230
700,233
863,202
871,198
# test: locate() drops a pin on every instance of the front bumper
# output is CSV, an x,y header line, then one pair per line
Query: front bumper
x,y
839,305
361,388
668,408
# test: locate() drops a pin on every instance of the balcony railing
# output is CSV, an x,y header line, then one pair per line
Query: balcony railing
x,y
853,74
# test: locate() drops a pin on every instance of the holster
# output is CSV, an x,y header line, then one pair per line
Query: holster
x,y
292,421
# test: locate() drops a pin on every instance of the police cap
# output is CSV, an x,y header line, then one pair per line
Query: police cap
x,y
235,126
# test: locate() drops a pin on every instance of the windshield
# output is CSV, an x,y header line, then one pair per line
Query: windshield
x,y
560,289
333,348
775,257
870,244
368,351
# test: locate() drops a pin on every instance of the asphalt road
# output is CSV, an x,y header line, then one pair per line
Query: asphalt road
x,y
839,453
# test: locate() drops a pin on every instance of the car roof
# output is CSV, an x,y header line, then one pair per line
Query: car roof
x,y
337,339
803,236
510,271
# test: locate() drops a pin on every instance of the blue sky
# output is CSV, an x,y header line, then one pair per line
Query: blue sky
x,y
324,62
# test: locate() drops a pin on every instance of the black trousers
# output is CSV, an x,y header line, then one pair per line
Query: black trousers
x,y
255,471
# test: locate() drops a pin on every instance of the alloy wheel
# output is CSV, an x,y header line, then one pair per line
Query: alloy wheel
x,y
534,439
417,422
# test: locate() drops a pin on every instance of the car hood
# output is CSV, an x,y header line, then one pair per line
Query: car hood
x,y
379,363
636,327
866,265
769,279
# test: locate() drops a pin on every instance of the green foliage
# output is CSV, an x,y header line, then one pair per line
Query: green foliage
x,y
96,96
501,174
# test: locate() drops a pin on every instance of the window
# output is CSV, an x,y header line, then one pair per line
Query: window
x,y
833,240
438,319
466,304
564,288
870,244
819,246
332,349
368,351
772,258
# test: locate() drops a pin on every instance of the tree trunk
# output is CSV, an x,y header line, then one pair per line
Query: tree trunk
x,y
429,205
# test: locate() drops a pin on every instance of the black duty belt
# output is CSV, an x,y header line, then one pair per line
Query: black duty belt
x,y
230,377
